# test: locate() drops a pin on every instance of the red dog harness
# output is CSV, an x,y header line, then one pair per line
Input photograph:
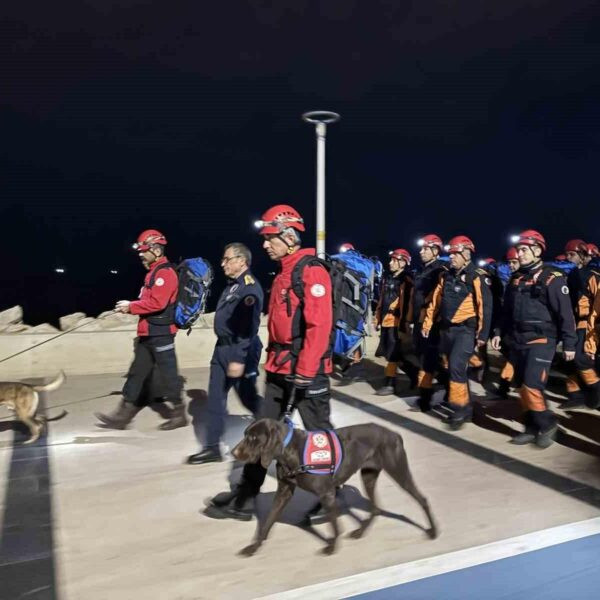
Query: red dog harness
x,y
322,453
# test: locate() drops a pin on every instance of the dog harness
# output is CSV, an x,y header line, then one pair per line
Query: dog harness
x,y
322,454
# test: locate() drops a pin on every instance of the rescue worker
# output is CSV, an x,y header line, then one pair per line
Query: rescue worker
x,y
394,315
427,348
154,352
583,286
462,304
298,353
237,352
537,312
507,372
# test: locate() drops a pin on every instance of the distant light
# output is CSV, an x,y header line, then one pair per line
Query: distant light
x,y
113,271
59,270
482,263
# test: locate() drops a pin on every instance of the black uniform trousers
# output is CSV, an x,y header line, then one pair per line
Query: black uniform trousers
x,y
218,388
532,362
153,373
428,352
313,404
457,343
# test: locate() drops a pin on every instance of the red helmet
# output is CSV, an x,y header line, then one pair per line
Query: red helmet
x,y
511,253
430,240
593,249
459,243
486,262
560,257
278,218
401,253
147,238
576,246
346,246
529,237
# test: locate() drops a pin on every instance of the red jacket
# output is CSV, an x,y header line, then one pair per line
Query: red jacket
x,y
155,299
318,317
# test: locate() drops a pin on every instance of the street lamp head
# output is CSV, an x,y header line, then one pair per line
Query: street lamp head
x,y
321,116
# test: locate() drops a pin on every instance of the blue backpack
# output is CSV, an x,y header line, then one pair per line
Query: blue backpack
x,y
195,277
351,276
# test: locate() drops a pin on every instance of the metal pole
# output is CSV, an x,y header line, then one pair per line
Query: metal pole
x,y
320,119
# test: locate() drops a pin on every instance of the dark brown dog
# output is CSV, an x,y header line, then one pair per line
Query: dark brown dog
x,y
370,448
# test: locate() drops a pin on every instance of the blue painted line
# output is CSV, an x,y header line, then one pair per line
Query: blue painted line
x,y
570,570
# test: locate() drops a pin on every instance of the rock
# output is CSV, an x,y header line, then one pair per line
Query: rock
x,y
44,328
70,321
11,316
16,328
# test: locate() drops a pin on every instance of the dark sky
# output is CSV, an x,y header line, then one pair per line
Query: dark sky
x,y
468,117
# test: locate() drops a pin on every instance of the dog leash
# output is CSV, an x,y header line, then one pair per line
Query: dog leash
x,y
54,338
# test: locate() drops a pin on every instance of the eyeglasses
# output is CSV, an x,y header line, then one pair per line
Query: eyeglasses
x,y
225,260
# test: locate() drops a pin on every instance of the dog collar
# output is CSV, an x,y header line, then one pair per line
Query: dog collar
x,y
290,432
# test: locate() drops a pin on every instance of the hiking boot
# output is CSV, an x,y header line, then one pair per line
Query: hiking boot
x,y
527,437
575,400
424,402
388,388
544,439
162,408
228,511
210,454
178,418
121,417
504,388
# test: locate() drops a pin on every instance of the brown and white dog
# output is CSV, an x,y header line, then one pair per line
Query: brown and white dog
x,y
24,399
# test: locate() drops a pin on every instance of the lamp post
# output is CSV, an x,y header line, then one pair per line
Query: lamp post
x,y
320,119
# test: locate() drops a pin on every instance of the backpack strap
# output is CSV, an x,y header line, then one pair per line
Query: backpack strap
x,y
166,265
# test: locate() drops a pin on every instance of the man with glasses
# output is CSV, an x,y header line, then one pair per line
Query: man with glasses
x,y
237,351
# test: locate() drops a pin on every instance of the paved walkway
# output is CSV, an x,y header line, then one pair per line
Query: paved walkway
x,y
94,514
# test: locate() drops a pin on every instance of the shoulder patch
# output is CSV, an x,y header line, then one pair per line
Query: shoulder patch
x,y
557,273
317,290
249,300
159,282
565,290
249,280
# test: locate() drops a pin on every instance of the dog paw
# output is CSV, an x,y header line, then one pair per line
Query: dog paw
x,y
356,534
249,550
328,550
432,533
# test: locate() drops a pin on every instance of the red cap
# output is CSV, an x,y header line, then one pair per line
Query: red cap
x,y
346,246
401,253
147,238
459,243
430,240
529,237
560,257
278,218
576,246
511,253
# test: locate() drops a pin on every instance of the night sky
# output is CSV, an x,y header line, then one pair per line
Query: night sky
x,y
468,117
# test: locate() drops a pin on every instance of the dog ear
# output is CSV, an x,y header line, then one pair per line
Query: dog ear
x,y
273,446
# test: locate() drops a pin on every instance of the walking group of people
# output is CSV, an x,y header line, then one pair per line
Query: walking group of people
x,y
450,308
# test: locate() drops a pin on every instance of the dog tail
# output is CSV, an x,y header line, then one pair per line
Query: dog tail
x,y
53,385
63,414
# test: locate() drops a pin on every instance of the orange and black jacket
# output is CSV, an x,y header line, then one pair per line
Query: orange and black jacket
x,y
592,330
537,307
583,286
462,298
394,308
425,281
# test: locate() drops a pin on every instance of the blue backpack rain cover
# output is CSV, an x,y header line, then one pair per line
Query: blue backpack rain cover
x,y
353,295
195,278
